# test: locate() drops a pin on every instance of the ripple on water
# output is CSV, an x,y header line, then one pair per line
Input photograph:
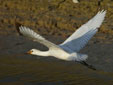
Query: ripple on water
x,y
18,70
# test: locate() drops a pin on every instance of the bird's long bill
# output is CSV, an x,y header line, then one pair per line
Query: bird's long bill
x,y
29,52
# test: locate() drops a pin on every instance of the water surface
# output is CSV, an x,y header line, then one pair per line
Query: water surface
x,y
16,67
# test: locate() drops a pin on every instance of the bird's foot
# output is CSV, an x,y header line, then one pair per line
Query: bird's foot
x,y
89,66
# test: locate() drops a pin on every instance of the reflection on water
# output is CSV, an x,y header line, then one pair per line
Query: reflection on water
x,y
17,70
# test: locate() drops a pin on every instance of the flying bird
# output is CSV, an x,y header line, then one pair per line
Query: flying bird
x,y
69,49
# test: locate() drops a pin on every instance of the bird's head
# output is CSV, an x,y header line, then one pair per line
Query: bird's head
x,y
33,52
38,52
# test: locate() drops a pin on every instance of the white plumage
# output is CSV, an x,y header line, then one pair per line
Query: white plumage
x,y
75,1
82,35
69,49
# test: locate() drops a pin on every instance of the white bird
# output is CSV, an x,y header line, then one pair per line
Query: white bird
x,y
75,1
68,50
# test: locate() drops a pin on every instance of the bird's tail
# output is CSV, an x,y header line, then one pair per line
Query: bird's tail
x,y
82,57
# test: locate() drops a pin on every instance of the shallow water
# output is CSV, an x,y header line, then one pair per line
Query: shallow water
x,y
50,71
19,68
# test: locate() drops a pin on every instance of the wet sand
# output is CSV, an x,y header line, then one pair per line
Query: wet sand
x,y
16,67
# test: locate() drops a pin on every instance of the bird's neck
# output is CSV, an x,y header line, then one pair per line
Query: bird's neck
x,y
43,53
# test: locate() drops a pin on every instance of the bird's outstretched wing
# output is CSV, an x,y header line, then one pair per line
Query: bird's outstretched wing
x,y
36,37
82,35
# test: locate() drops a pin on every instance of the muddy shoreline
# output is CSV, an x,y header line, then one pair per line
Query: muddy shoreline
x,y
58,17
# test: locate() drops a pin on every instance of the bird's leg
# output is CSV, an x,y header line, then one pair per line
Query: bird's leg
x,y
89,66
